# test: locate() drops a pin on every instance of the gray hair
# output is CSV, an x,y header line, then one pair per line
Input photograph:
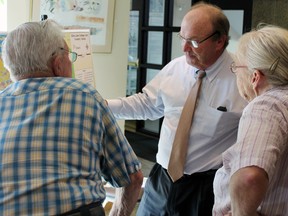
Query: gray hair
x,y
266,49
28,48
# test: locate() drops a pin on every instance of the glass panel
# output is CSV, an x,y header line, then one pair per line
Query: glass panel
x,y
155,47
176,46
181,7
3,12
151,73
131,80
133,53
156,12
133,35
235,18
152,126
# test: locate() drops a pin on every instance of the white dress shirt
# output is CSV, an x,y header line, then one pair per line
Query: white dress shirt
x,y
263,142
212,131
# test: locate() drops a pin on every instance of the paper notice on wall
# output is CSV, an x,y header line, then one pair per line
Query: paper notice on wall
x,y
4,74
79,41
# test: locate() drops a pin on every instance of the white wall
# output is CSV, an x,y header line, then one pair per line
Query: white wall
x,y
109,69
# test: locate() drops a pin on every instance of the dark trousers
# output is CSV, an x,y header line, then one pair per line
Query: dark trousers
x,y
192,195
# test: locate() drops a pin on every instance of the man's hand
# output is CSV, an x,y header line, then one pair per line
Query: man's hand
x,y
126,197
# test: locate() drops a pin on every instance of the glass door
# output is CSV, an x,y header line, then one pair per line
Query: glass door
x,y
152,44
154,25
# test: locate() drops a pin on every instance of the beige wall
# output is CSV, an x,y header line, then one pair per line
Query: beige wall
x,y
109,68
271,12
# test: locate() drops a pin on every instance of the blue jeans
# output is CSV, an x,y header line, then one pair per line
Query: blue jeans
x,y
192,195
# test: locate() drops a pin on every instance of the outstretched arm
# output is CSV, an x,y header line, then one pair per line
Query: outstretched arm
x,y
247,189
126,197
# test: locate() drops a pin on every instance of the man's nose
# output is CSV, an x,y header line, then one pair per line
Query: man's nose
x,y
186,46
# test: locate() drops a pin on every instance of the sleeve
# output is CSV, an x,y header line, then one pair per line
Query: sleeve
x,y
261,137
141,106
119,159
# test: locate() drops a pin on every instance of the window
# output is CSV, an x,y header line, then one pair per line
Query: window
x,y
3,12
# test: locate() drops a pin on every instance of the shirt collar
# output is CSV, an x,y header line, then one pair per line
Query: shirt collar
x,y
214,69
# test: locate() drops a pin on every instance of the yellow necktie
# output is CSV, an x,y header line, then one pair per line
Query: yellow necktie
x,y
181,140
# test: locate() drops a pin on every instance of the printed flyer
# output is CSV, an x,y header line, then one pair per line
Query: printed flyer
x,y
4,74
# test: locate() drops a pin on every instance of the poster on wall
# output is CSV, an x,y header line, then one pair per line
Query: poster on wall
x,y
4,74
97,15
79,41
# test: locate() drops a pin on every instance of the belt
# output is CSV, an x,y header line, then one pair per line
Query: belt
x,y
205,174
202,174
83,210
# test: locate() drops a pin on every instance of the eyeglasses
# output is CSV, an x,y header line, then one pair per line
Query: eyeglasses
x,y
195,43
234,67
72,55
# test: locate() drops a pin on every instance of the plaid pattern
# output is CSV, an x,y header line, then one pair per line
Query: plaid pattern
x,y
57,140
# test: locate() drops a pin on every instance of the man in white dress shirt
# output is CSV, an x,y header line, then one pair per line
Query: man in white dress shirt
x,y
204,35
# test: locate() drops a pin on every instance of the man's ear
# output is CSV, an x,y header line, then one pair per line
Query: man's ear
x,y
57,66
221,41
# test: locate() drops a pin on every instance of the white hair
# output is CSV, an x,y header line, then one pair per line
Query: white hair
x,y
28,48
266,49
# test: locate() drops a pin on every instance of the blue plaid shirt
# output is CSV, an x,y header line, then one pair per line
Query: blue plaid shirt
x,y
57,139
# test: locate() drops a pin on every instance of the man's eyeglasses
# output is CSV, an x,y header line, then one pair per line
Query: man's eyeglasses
x,y
195,43
234,67
72,55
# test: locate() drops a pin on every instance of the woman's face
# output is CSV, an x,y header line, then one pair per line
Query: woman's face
x,y
244,81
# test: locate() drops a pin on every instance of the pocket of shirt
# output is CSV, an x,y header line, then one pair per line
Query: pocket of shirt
x,y
211,122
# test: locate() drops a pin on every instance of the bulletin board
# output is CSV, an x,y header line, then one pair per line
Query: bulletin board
x,y
4,74
79,41
97,15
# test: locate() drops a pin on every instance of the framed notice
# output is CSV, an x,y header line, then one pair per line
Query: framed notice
x,y
4,74
97,15
78,40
